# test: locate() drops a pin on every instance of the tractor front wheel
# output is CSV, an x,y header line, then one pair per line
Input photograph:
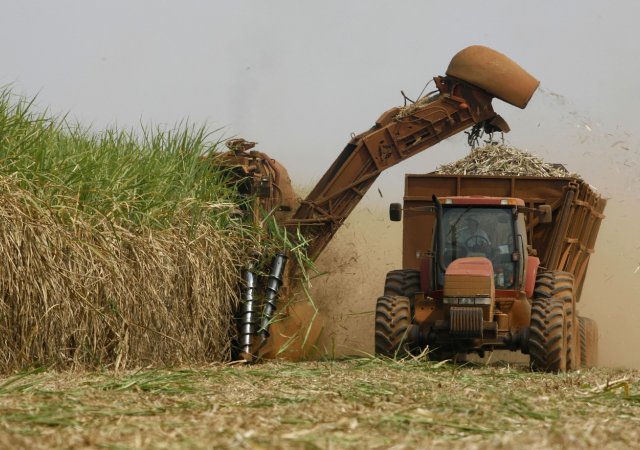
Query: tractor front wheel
x,y
393,320
403,282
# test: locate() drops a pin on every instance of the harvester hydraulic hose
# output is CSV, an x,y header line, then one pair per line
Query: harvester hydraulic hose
x,y
248,316
271,293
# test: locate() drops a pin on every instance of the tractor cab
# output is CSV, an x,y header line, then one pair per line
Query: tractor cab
x,y
481,227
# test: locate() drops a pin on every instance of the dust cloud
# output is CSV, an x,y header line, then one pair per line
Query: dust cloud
x,y
355,263
352,272
611,293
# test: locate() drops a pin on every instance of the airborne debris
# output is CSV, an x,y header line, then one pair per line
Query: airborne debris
x,y
500,159
412,107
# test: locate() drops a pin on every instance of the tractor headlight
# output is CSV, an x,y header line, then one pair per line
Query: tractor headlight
x,y
466,301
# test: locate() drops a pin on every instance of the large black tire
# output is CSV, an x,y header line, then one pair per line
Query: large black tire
x,y
573,340
564,290
552,347
588,342
404,282
393,319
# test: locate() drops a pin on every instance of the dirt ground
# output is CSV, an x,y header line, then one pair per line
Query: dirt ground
x,y
369,245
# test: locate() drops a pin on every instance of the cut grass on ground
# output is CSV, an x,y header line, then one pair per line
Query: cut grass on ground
x,y
360,403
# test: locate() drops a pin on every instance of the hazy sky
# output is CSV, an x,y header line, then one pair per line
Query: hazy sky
x,y
299,77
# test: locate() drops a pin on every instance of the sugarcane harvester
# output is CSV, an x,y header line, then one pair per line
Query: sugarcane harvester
x,y
462,100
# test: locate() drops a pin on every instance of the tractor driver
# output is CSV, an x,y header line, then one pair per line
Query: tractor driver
x,y
473,237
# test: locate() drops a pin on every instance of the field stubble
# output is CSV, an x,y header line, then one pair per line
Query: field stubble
x,y
357,403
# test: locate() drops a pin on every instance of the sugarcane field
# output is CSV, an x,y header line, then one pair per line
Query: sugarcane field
x,y
232,226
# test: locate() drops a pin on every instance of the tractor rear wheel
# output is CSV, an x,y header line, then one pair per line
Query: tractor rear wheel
x,y
552,346
564,290
393,319
588,342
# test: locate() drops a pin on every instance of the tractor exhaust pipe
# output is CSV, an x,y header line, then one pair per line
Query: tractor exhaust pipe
x,y
439,234
271,295
248,316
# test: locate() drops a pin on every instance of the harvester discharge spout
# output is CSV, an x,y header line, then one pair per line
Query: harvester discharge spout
x,y
494,72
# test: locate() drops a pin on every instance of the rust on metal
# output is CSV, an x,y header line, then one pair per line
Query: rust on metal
x,y
259,178
495,73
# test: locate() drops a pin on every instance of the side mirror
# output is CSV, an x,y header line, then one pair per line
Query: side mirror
x,y
545,214
395,212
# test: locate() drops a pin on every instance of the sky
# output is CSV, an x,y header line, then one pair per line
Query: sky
x,y
299,77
